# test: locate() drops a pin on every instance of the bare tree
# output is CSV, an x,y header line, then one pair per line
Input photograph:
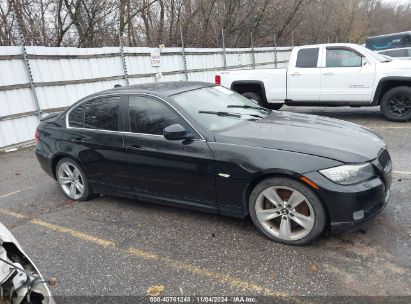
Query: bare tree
x,y
94,23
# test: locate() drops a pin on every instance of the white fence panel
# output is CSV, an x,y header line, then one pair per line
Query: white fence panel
x,y
64,75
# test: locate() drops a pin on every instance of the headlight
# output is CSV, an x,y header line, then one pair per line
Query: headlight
x,y
349,174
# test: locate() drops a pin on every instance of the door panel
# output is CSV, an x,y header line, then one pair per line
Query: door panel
x,y
172,168
103,156
304,78
97,142
346,77
175,169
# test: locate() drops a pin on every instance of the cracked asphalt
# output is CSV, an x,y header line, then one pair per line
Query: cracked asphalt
x,y
112,246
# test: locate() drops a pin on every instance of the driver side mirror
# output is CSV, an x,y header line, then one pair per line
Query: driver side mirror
x,y
175,132
364,61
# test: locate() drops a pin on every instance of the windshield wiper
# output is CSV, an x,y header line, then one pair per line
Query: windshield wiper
x,y
249,107
224,114
254,115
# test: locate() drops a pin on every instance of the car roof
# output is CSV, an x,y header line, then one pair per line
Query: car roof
x,y
164,88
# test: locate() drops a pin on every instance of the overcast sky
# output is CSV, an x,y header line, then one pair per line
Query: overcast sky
x,y
398,1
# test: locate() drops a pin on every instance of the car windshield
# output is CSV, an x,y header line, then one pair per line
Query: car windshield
x,y
216,108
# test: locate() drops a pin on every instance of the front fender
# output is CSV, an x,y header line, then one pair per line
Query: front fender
x,y
237,167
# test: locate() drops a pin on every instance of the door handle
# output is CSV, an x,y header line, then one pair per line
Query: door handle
x,y
295,74
328,74
135,148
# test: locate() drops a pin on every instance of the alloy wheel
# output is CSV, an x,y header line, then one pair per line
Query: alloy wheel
x,y
285,213
399,105
71,181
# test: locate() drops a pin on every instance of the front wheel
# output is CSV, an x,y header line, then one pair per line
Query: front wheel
x,y
396,104
72,180
287,211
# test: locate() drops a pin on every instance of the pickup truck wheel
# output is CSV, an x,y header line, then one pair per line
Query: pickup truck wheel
x,y
255,97
396,104
275,106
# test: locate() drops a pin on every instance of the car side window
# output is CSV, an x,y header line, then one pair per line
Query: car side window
x,y
342,58
307,58
102,113
396,53
76,117
151,116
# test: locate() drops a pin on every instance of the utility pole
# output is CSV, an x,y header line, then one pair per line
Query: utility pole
x,y
27,66
224,54
252,51
183,53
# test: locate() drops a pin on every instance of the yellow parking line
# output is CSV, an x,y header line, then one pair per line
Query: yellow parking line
x,y
13,214
11,193
21,190
223,278
220,277
74,233
402,172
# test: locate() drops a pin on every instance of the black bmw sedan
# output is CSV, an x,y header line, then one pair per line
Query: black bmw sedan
x,y
202,146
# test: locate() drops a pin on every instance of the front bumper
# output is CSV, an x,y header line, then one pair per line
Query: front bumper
x,y
369,198
339,227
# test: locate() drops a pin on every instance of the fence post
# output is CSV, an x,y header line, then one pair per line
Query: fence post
x,y
183,53
252,51
122,57
224,53
275,50
27,67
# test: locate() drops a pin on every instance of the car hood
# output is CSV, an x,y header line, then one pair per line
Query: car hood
x,y
308,134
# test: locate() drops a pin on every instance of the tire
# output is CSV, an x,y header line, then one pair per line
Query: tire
x,y
260,102
306,208
70,175
275,106
254,97
396,104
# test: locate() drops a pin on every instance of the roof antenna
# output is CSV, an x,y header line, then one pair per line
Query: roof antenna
x,y
117,85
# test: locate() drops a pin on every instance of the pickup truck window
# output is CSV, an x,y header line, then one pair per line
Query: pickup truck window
x,y
337,58
307,58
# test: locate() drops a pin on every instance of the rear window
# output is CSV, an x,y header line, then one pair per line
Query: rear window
x,y
76,117
100,113
307,58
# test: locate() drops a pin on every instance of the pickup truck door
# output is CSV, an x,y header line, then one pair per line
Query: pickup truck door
x,y
303,77
346,76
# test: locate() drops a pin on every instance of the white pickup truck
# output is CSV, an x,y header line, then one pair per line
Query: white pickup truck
x,y
337,74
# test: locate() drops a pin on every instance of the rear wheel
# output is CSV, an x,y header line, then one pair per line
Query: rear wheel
x,y
259,100
396,104
72,180
287,211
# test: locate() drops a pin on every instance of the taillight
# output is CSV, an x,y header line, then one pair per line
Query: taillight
x,y
217,79
36,136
